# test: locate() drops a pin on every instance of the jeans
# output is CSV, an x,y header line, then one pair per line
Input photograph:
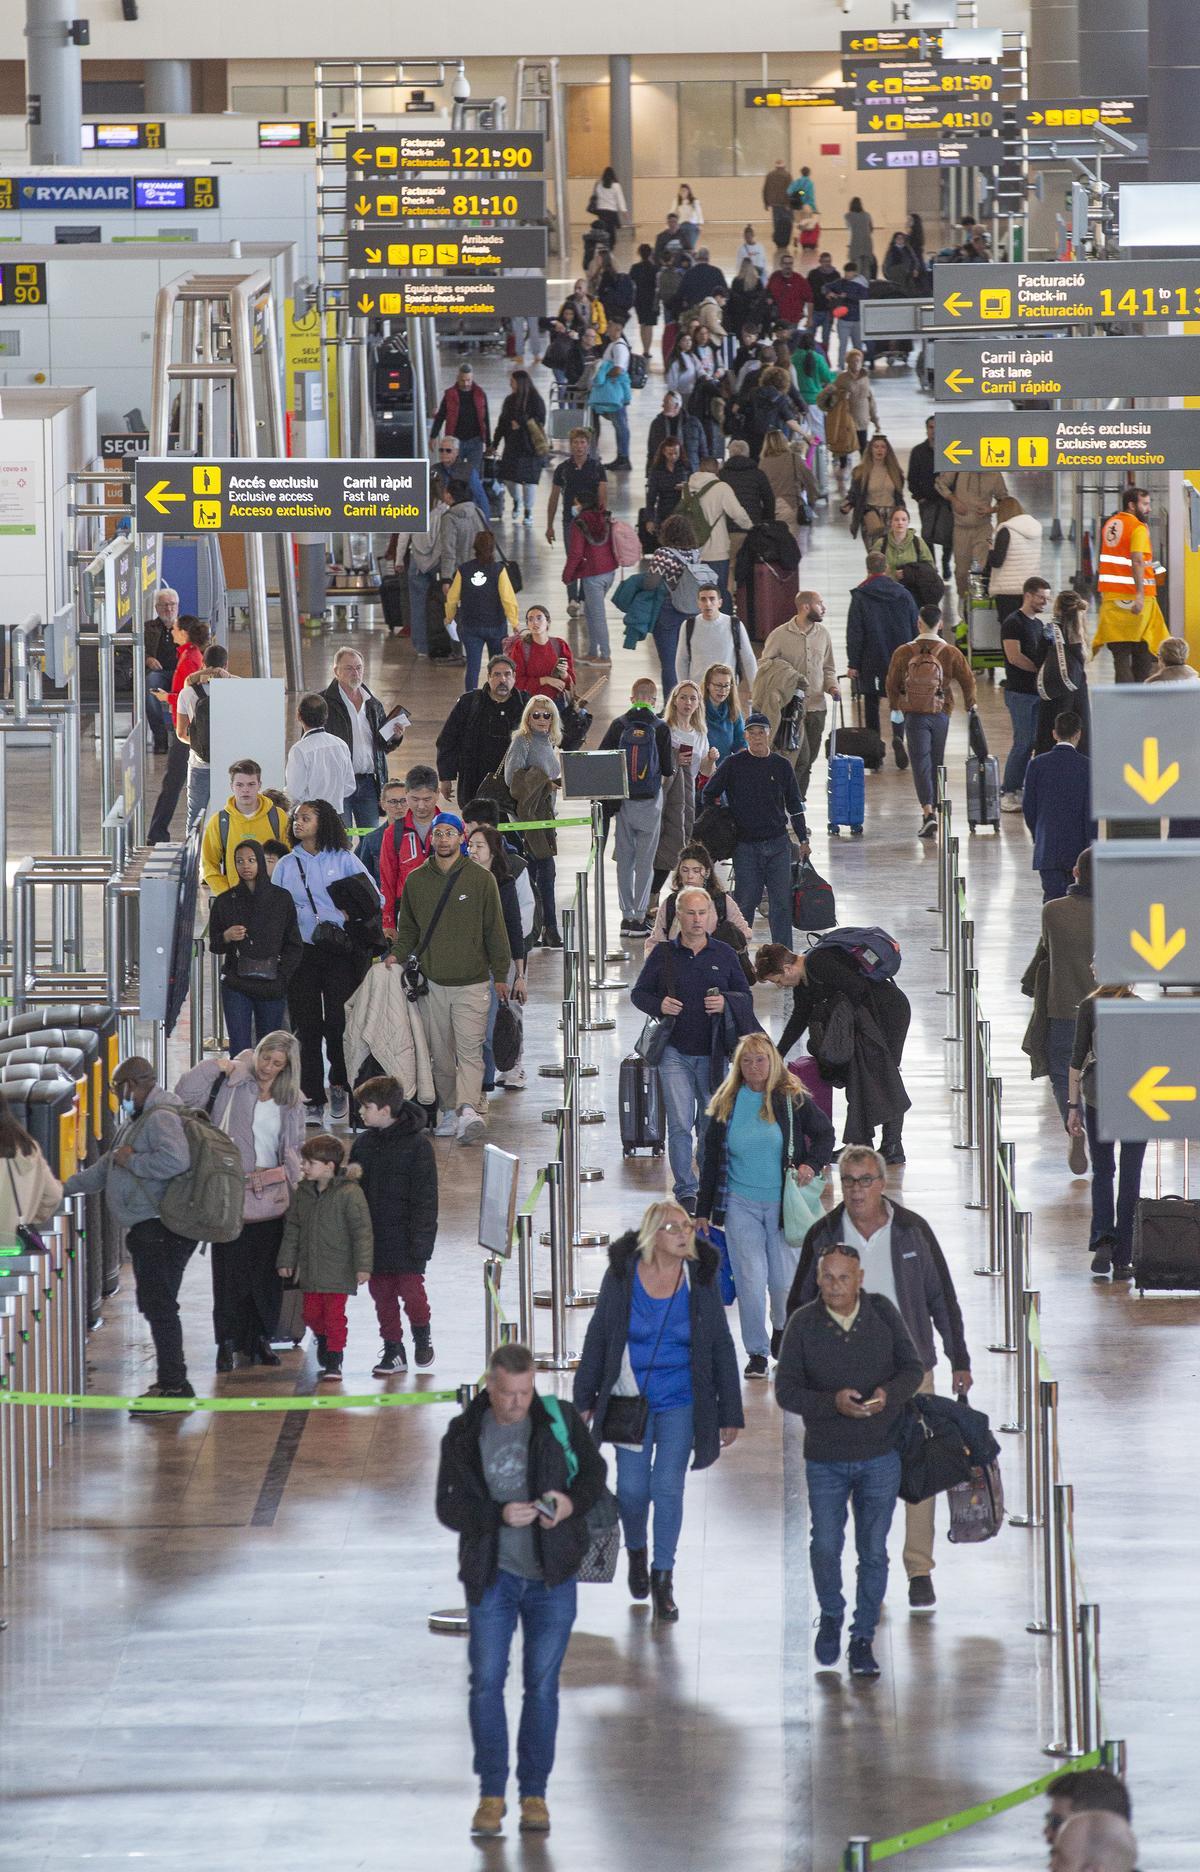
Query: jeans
x,y
595,590
471,453
1116,1225
419,586
248,1018
159,1258
1023,712
620,422
870,1488
667,627
1055,883
542,876
547,1614
655,1475
361,807
849,338
199,782
686,1089
1060,1041
759,862
157,712
688,233
474,644
763,1264
720,571
639,823
925,739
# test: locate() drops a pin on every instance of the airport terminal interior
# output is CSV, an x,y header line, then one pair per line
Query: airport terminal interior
x,y
332,350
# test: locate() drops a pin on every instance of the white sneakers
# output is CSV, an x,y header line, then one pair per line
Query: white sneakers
x,y
448,1126
471,1126
513,1080
1010,802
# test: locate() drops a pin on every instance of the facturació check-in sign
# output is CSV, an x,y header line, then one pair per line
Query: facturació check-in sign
x,y
1058,291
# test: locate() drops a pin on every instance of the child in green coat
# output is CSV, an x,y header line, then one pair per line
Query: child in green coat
x,y
327,1244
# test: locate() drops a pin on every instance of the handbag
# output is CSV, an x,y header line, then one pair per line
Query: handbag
x,y
626,1418
257,968
1054,676
801,1201
28,1238
326,935
657,1029
416,982
598,1566
538,440
506,1037
717,830
268,1194
515,579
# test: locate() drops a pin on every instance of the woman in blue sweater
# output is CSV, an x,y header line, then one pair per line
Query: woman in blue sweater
x,y
659,1334
761,1124
722,714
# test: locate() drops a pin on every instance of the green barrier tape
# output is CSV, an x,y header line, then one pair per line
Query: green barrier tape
x,y
61,1400
539,825
1002,1173
497,1304
971,1816
534,1196
1035,1334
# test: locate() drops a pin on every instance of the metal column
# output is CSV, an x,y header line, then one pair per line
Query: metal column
x,y
54,83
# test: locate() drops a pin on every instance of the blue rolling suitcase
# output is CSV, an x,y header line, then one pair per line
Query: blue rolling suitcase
x,y
847,790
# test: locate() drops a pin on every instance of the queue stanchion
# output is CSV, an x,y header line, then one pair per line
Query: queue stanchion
x,y
573,1295
950,872
1030,1419
965,962
214,1042
989,1136
1089,1675
1068,1743
943,869
558,1358
591,1022
577,1175
1003,1222
1047,1389
455,1620
857,1856
491,1284
603,953
525,1279
1018,1274
983,1043
197,996
1112,1756
967,1133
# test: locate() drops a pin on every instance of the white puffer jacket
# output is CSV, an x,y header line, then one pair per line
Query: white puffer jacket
x,y
1023,559
380,1019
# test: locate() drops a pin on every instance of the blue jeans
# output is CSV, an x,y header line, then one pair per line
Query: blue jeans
x,y
655,1475
667,627
247,1019
418,597
1116,1224
686,1088
474,644
822,327
361,807
620,422
1023,712
198,786
764,1264
1060,1042
849,338
688,233
759,862
595,589
472,453
925,739
720,571
546,1614
871,1488
157,712
542,876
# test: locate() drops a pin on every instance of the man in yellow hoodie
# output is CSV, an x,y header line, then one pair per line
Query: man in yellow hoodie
x,y
245,814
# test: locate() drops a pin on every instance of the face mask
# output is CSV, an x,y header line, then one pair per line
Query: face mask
x,y
128,1108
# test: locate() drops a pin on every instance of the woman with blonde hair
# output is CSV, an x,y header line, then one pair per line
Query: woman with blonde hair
x,y
684,716
722,714
792,482
763,1128
658,1378
532,772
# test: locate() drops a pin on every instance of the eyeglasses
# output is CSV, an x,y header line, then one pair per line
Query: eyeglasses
x,y
676,1228
862,1182
541,715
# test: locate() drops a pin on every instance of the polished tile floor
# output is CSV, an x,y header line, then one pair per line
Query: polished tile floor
x,y
218,1652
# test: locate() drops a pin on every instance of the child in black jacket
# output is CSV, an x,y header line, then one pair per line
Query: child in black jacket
x,y
399,1181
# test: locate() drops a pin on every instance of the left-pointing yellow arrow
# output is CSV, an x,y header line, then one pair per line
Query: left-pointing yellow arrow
x,y
362,156
957,381
1151,1096
1158,948
158,497
956,305
957,452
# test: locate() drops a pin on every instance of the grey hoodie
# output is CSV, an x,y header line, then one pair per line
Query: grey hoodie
x,y
134,1191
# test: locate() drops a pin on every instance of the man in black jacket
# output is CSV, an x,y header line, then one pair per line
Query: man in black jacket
x,y
901,1259
476,733
357,717
519,1506
937,515
399,1180
882,616
749,483
848,1367
759,787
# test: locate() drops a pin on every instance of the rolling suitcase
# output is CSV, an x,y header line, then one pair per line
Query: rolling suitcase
x,y
847,785
640,1102
290,1328
983,792
393,596
1166,1235
819,1090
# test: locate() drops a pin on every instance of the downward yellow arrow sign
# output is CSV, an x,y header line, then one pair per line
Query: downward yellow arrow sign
x,y
363,205
1150,784
1158,949
365,302
1150,1095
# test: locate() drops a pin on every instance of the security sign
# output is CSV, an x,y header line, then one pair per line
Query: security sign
x,y
1147,1056
1068,441
391,152
1061,292
254,495
478,251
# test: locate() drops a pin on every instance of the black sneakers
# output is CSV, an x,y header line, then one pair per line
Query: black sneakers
x,y
921,1596
422,1345
391,1359
183,1390
756,1366
828,1648
331,1365
862,1658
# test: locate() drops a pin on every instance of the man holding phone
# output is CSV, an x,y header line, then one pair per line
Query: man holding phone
x,y
848,1366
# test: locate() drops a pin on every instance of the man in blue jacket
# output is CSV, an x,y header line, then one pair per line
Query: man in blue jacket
x,y
696,982
1056,805
760,789
882,616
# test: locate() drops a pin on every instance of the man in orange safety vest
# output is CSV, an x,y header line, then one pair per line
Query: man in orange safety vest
x,y
1131,621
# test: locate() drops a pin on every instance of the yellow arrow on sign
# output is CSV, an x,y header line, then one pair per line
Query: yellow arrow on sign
x,y
365,302
957,452
956,305
363,205
362,156
876,122
956,381
1036,117
874,84
1151,784
1158,949
375,256
158,497
1150,1094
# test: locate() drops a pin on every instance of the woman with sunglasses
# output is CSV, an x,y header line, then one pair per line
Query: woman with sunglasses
x,y
532,771
658,1348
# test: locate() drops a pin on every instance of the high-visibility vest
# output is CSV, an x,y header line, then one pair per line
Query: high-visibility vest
x,y
1115,568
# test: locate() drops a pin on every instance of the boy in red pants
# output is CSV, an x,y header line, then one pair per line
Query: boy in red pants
x,y
326,1244
394,1155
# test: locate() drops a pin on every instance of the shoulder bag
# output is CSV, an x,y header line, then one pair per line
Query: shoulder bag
x,y
801,1201
599,1564
657,1029
326,935
625,1418
416,983
27,1237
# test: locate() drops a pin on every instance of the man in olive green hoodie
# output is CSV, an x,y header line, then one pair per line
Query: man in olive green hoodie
x,y
450,919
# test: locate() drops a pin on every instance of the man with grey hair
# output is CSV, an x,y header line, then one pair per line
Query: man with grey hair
x,y
1095,1842
448,464
160,664
902,1260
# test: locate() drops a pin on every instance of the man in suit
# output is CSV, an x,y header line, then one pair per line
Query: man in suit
x,y
1056,804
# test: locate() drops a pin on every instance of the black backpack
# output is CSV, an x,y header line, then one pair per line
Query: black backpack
x,y
200,732
223,822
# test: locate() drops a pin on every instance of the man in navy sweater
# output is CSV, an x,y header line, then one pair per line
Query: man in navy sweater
x,y
760,790
1056,805
695,981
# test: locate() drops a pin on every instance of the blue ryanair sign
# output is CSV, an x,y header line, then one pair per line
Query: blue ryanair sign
x,y
65,192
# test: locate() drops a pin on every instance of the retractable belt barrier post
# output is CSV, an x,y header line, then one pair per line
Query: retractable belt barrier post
x,y
591,1021
603,954
1068,1743
1047,1476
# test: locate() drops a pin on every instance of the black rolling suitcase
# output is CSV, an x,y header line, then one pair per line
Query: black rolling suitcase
x,y
640,1101
1166,1235
983,792
393,596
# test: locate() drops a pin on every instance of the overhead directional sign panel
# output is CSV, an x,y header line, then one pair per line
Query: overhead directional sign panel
x,y
921,80
952,153
1061,292
46,193
1057,114
975,370
479,251
1146,751
443,198
448,298
1147,1061
22,283
393,152
1147,910
1067,441
892,42
909,115
177,494
799,97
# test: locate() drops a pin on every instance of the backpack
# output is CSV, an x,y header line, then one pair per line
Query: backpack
x,y
200,732
690,631
622,293
638,371
1054,681
627,547
691,510
924,683
223,823
876,953
205,1202
639,745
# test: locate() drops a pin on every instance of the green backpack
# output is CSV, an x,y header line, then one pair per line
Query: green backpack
x,y
691,510
206,1201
